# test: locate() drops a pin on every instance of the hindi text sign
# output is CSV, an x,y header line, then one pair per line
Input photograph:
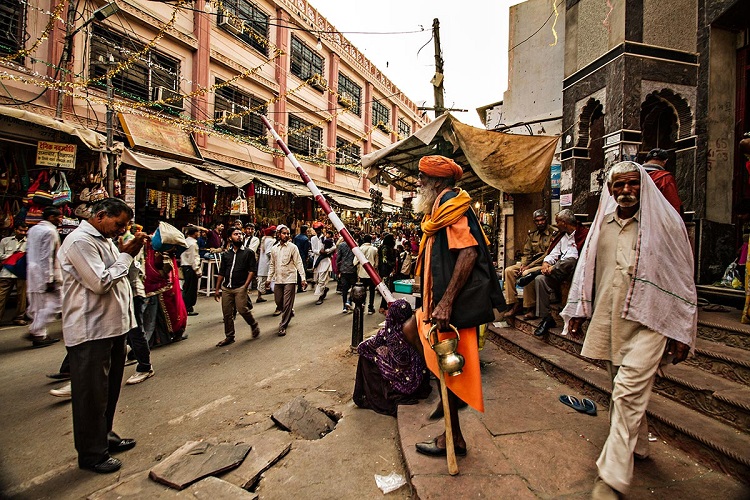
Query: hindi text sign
x,y
56,155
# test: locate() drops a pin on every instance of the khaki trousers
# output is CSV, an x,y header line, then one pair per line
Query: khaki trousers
x,y
631,391
529,293
6,285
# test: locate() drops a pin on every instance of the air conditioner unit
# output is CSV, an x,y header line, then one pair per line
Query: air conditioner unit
x,y
347,99
173,100
321,152
231,24
226,120
318,82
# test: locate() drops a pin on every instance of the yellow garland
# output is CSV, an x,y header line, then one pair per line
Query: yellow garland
x,y
47,29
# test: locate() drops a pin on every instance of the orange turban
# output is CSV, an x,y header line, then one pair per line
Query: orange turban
x,y
440,166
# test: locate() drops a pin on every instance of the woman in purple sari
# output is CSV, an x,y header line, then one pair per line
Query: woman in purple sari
x,y
390,371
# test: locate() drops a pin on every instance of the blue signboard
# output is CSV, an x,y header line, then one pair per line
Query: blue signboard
x,y
555,175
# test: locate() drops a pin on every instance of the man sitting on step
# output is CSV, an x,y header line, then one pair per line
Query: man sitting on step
x,y
558,266
643,313
533,252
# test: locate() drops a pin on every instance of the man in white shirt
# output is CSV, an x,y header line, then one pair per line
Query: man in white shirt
x,y
284,266
252,242
97,313
371,252
9,246
43,275
190,263
558,266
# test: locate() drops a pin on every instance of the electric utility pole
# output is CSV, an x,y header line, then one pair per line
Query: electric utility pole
x,y
437,80
67,49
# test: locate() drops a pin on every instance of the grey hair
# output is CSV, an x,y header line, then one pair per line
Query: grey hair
x,y
112,207
540,213
566,215
621,168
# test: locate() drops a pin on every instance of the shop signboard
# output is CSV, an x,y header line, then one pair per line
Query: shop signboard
x,y
56,155
566,200
160,139
129,190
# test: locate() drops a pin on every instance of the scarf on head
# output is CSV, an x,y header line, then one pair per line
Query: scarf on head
x,y
442,216
661,294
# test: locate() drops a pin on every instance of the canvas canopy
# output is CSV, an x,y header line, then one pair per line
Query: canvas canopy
x,y
511,163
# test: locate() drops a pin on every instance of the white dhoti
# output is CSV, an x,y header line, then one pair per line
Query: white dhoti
x,y
43,308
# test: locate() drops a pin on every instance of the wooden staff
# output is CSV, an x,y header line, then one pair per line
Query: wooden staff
x,y
343,231
450,451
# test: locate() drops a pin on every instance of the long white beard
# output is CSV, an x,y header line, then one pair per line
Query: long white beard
x,y
425,199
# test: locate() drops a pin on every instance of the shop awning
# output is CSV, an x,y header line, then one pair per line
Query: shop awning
x,y
349,202
91,139
150,162
511,163
296,188
237,177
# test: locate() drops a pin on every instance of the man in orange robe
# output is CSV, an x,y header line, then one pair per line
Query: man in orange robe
x,y
459,286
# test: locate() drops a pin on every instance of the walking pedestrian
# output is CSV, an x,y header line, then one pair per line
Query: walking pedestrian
x,y
322,249
347,273
643,312
302,242
371,253
190,264
236,271
264,257
97,312
43,275
14,244
285,265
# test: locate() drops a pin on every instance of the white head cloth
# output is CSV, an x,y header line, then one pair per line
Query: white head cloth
x,y
280,227
661,295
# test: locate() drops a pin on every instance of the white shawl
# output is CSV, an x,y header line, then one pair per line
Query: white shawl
x,y
662,295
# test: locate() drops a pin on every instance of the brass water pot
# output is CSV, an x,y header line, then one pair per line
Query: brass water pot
x,y
449,360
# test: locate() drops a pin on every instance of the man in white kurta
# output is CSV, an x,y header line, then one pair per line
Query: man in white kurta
x,y
321,262
43,275
642,311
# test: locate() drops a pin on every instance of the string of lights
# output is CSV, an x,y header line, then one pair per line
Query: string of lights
x,y
45,34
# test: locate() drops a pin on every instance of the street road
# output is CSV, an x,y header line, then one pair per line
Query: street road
x,y
202,391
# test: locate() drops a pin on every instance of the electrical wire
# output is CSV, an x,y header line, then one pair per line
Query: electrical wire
x,y
537,31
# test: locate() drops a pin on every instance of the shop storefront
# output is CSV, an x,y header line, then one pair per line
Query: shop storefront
x,y
56,158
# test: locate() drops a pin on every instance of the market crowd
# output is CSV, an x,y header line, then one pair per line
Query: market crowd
x,y
122,291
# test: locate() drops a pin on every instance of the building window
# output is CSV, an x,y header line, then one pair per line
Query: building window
x,y
404,129
152,76
305,62
346,152
350,94
12,26
231,111
381,116
309,142
246,21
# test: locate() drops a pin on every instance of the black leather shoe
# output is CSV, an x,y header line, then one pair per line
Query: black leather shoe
x,y
544,326
117,444
107,466
527,278
431,449
43,341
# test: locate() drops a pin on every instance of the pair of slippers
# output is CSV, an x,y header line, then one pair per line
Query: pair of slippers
x,y
584,406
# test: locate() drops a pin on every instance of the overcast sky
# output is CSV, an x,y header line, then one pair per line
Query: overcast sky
x,y
473,38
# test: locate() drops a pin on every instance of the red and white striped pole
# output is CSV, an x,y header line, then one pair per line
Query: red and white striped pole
x,y
343,231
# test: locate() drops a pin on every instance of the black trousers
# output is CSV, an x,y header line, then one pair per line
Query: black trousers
x,y
189,287
96,369
346,280
371,289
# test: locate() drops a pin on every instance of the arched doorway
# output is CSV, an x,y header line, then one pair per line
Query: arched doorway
x,y
590,136
659,125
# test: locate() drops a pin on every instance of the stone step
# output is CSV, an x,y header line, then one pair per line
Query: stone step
x,y
713,381
731,363
718,329
716,443
707,393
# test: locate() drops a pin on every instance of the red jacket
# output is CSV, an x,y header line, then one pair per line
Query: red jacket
x,y
664,180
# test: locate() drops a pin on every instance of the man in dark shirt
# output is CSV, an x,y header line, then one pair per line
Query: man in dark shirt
x,y
302,242
214,238
237,269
